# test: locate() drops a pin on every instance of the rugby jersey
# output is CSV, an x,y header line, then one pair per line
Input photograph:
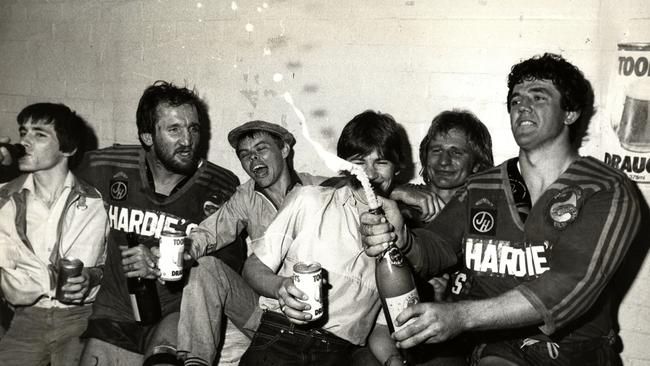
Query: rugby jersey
x,y
120,174
561,258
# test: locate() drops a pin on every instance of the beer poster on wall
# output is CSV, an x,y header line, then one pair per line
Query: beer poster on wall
x,y
626,141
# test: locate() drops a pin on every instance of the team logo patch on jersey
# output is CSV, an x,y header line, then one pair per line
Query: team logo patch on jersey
x,y
519,191
484,202
119,187
483,221
564,207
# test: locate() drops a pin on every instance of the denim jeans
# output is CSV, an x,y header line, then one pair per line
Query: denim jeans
x,y
38,336
212,291
280,342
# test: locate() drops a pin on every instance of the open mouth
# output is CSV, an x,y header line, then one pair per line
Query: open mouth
x,y
444,173
260,170
185,154
525,123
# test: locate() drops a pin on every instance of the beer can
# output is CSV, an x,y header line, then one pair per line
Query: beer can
x,y
170,263
308,278
68,267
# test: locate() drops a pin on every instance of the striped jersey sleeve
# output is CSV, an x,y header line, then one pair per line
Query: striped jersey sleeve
x,y
219,179
586,253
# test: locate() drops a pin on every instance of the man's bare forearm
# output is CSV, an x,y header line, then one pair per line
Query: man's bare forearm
x,y
261,278
509,310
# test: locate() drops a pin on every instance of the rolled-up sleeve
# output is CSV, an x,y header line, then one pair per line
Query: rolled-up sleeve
x,y
221,228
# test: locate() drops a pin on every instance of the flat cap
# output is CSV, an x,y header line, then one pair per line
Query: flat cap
x,y
272,128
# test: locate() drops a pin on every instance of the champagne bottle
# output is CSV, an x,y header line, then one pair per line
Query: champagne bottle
x,y
395,281
143,294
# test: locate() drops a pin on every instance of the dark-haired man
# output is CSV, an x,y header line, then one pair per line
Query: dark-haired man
x,y
538,237
161,185
46,214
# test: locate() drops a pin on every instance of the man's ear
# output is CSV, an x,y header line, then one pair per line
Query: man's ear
x,y
570,117
146,138
70,153
285,150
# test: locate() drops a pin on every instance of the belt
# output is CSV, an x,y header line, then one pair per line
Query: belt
x,y
276,320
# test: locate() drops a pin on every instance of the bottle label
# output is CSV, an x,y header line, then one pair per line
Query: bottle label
x,y
397,304
134,307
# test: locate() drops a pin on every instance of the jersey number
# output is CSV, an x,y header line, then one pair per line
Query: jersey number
x,y
459,281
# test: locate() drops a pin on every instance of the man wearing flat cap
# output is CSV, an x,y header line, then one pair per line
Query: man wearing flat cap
x,y
265,152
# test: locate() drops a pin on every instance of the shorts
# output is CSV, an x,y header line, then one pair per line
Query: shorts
x,y
127,335
596,352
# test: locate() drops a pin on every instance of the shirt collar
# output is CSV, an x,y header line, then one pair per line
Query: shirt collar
x,y
28,184
294,180
177,187
346,195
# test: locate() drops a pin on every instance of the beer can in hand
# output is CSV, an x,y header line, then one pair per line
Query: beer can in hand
x,y
68,268
170,263
308,278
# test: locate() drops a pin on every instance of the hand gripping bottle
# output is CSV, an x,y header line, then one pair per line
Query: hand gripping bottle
x,y
143,293
394,281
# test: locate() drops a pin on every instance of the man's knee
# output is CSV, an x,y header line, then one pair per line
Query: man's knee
x,y
212,271
165,333
100,353
209,264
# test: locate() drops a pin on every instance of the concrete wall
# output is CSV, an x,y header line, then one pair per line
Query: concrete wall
x,y
409,58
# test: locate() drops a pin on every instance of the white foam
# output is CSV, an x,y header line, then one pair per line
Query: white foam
x,y
332,161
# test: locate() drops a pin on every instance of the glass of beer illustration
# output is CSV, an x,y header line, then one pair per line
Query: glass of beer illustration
x,y
634,129
630,97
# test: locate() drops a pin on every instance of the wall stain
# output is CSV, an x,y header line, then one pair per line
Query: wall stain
x,y
310,88
270,92
251,95
319,113
277,42
327,132
293,65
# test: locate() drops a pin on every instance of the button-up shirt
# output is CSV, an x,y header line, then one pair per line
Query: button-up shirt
x,y
322,224
76,220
